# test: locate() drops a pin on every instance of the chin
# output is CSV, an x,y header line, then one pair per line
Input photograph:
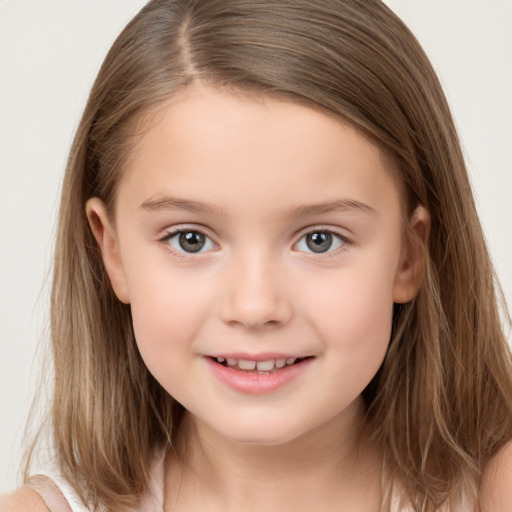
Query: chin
x,y
260,433
260,440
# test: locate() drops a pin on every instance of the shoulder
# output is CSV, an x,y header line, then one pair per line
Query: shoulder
x,y
22,500
495,492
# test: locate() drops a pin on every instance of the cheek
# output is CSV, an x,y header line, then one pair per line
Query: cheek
x,y
168,309
362,333
358,297
354,319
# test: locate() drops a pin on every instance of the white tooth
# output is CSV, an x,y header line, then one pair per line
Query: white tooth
x,y
291,360
244,364
231,361
220,359
265,365
280,363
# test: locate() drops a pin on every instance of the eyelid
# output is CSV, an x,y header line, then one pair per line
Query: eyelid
x,y
176,230
323,228
346,241
180,227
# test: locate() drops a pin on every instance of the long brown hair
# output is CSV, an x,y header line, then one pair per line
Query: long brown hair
x,y
441,404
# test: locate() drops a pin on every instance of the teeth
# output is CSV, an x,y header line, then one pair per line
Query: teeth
x,y
244,364
265,366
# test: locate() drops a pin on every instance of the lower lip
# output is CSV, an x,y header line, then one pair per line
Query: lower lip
x,y
257,383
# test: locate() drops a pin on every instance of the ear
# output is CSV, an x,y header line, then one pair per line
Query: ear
x,y
104,233
412,259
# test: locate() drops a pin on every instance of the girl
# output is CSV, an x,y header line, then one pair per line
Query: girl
x,y
271,289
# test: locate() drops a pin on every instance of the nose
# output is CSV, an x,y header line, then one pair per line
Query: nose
x,y
256,295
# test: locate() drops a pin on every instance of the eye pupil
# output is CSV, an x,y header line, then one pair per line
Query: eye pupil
x,y
191,241
319,242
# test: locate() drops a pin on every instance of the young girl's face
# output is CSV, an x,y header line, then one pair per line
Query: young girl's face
x,y
261,246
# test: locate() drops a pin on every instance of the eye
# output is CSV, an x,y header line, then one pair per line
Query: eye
x,y
189,241
320,241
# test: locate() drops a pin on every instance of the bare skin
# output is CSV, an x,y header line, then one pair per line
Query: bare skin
x,y
306,474
494,492
255,178
23,500
216,165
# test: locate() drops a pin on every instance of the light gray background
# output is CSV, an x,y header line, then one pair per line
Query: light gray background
x,y
50,51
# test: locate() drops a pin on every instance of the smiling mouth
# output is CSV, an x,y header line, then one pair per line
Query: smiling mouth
x,y
258,367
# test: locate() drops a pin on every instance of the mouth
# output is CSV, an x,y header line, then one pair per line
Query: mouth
x,y
268,366
260,374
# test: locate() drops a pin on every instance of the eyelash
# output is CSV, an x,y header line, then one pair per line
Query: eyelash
x,y
182,253
344,242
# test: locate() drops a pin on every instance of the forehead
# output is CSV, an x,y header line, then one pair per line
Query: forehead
x,y
204,141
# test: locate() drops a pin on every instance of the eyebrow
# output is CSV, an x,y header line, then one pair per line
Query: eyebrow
x,y
171,203
336,205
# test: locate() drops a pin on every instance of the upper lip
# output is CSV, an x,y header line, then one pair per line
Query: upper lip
x,y
265,356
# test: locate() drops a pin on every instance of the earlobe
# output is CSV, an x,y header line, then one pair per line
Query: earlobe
x,y
104,233
412,260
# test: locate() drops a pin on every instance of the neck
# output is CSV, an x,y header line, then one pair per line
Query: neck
x,y
327,464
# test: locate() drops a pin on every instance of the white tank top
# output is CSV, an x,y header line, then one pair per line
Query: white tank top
x,y
60,496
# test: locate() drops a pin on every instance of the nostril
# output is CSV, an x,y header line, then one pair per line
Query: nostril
x,y
256,306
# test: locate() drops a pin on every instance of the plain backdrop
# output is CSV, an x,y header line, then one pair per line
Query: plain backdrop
x,y
50,51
